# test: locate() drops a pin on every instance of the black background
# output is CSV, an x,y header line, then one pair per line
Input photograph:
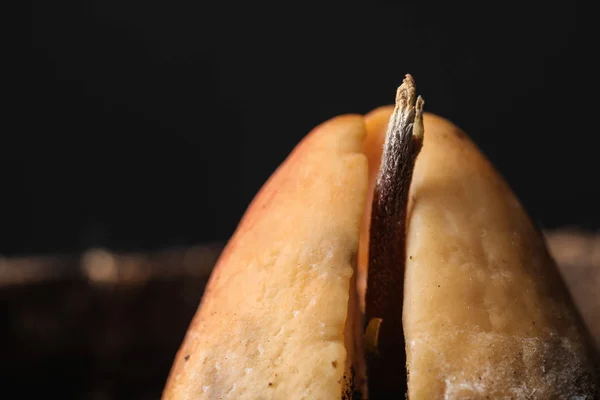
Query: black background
x,y
146,124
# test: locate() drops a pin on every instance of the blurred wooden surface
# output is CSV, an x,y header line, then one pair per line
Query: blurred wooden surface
x,y
578,257
106,326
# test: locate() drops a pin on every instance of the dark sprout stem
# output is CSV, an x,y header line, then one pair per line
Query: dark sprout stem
x,y
386,359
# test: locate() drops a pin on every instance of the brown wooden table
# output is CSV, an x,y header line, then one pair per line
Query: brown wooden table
x,y
106,326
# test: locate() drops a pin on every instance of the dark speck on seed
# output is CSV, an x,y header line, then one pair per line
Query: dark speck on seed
x,y
187,357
